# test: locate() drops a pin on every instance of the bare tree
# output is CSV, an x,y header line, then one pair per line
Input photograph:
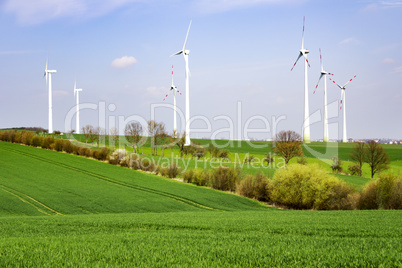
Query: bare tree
x,y
376,157
288,145
113,135
86,131
100,135
152,127
357,156
161,137
133,133
180,143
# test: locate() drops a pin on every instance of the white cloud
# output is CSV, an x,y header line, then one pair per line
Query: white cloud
x,y
397,70
123,62
391,4
388,61
348,41
39,11
213,6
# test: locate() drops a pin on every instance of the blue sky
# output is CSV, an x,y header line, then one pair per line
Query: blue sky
x,y
241,51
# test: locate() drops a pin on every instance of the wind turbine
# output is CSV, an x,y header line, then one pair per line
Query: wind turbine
x,y
324,74
303,53
343,105
185,54
77,120
46,74
174,89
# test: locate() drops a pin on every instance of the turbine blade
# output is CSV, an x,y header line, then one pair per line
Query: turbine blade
x,y
350,80
305,56
304,18
296,61
318,83
177,53
335,83
322,67
185,41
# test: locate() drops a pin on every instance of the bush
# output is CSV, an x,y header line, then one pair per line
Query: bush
x,y
37,141
100,154
383,193
336,165
117,156
76,149
302,160
355,170
254,187
172,171
68,146
47,142
188,176
58,145
26,138
85,152
308,187
147,165
224,178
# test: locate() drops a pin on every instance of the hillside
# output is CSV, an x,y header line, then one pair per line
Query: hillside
x,y
35,182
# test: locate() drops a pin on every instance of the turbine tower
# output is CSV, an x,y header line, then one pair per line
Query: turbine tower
x,y
173,88
48,73
306,124
77,120
324,74
185,54
343,105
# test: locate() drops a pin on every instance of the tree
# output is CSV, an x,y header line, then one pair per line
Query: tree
x,y
152,125
87,132
357,156
161,137
113,134
180,143
376,157
288,145
133,133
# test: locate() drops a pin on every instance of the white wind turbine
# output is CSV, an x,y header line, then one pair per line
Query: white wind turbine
x,y
306,125
343,105
46,74
77,120
185,54
174,89
324,74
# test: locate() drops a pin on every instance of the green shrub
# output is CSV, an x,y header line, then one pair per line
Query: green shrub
x,y
188,176
201,177
147,165
336,165
395,198
302,160
85,152
383,193
355,170
172,171
224,178
254,187
308,187
76,149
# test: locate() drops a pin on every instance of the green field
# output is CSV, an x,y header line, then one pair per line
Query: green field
x,y
64,210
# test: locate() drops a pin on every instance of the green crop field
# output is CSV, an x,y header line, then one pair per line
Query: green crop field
x,y
64,210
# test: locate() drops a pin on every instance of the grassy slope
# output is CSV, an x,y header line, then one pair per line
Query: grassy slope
x,y
192,239
53,182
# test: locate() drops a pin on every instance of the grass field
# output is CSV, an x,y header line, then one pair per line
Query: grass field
x,y
64,210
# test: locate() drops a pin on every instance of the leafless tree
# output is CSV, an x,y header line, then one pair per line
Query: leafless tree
x,y
133,133
288,145
357,156
376,157
113,135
